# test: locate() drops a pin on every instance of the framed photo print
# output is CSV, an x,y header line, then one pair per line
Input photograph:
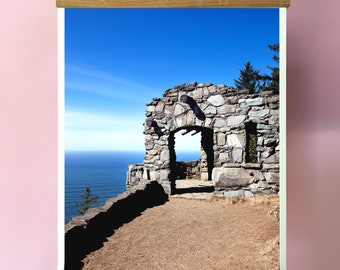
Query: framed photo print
x,y
172,134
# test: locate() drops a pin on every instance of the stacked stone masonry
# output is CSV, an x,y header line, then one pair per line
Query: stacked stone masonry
x,y
86,233
225,118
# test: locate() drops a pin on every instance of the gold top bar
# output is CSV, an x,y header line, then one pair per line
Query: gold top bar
x,y
172,3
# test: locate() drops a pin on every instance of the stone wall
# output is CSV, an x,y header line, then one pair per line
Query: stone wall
x,y
86,233
228,120
184,170
134,175
188,169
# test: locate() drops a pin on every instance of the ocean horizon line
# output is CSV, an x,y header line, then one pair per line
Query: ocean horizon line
x,y
123,151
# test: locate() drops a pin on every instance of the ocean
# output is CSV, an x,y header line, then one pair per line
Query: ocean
x,y
103,172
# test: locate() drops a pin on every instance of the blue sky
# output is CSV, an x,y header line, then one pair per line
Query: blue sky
x,y
117,60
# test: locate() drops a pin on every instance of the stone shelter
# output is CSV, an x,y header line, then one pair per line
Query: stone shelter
x,y
239,132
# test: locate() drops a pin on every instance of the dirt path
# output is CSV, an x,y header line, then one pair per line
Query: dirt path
x,y
216,233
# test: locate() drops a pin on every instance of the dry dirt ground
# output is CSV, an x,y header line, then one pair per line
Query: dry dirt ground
x,y
210,233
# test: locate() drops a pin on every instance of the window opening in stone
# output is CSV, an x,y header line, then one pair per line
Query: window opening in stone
x,y
251,143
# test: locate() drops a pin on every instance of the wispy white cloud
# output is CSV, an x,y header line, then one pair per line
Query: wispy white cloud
x,y
76,119
103,140
101,83
91,125
95,131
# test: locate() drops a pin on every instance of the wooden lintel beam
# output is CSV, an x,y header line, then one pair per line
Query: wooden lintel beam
x,y
173,3
186,132
196,132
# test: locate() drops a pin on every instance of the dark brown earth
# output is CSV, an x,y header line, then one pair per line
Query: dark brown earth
x,y
210,233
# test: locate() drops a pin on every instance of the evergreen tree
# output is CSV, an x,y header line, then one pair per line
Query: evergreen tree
x,y
272,82
248,79
88,199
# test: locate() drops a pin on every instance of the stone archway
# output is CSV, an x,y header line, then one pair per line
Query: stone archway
x,y
240,137
202,169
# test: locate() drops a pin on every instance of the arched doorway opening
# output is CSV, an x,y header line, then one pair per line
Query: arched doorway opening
x,y
195,170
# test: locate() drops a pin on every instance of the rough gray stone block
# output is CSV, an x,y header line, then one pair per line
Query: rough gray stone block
x,y
230,177
235,140
235,120
259,113
272,177
216,100
273,159
234,193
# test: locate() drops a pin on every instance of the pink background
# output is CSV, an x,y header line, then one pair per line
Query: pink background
x,y
28,137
